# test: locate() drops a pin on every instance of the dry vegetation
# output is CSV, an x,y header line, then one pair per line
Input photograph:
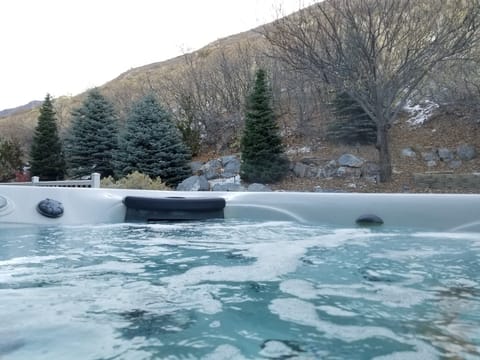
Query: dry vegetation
x,y
442,130
213,81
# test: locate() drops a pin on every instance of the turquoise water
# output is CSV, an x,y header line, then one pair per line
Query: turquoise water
x,y
237,290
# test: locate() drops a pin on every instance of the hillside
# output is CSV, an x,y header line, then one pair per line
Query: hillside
x,y
31,105
206,90
441,131
127,87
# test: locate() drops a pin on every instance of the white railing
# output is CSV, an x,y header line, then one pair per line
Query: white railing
x,y
93,182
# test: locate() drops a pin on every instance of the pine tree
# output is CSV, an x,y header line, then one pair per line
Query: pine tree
x,y
152,144
46,155
93,137
352,124
263,158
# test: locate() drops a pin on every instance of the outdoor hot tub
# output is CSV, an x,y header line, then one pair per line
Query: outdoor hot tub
x,y
124,274
442,212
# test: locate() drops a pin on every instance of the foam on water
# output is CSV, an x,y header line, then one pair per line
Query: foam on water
x,y
237,290
305,313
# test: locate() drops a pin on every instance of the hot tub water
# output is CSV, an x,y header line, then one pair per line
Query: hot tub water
x,y
237,289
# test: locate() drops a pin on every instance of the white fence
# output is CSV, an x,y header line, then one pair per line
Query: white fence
x,y
94,182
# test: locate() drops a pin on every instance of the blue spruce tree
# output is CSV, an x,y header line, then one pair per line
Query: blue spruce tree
x,y
351,125
93,137
152,144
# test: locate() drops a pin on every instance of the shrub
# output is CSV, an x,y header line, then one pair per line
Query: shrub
x,y
352,124
134,180
10,159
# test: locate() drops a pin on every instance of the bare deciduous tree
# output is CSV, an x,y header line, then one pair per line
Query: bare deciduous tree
x,y
455,86
206,94
377,51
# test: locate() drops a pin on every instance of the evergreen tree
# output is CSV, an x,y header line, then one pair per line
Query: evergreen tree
x,y
152,144
352,124
93,137
263,158
10,158
46,155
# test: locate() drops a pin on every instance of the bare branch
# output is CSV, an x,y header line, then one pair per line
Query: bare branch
x,y
378,51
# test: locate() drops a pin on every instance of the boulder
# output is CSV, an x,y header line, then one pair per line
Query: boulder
x,y
328,170
429,156
408,153
228,158
212,169
300,169
445,154
431,163
231,166
194,183
466,152
455,164
345,171
350,161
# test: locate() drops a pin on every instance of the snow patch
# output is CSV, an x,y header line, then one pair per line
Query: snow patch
x,y
420,113
299,150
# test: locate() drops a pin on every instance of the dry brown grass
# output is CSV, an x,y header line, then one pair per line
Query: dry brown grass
x,y
440,131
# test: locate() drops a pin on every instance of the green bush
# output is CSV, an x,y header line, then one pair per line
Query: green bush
x,y
351,125
10,159
135,180
263,157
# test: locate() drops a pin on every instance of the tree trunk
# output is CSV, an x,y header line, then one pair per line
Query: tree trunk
x,y
385,160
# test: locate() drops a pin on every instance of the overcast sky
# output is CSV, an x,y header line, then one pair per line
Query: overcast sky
x,y
64,47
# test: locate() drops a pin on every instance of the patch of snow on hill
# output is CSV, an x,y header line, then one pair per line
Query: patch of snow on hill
x,y
419,113
299,150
